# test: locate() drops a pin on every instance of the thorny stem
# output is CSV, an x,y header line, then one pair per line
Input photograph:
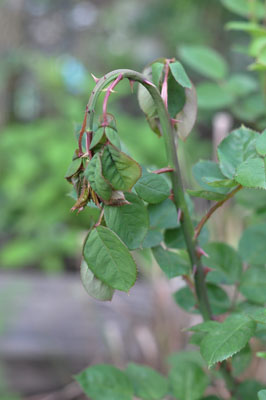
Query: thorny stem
x,y
178,191
213,209
109,91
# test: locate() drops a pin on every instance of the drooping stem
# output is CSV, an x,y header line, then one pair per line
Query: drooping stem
x,y
213,209
178,191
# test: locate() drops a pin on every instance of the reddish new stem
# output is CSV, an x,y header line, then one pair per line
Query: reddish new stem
x,y
108,92
163,170
164,91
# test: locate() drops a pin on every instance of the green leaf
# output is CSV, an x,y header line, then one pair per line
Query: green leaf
x,y
119,169
253,284
204,194
152,188
251,198
237,147
211,398
97,137
252,244
163,215
205,171
261,144
176,97
212,96
219,300
112,136
227,183
245,8
241,360
185,299
204,60
248,389
129,221
147,383
180,75
262,395
94,174
188,381
145,100
157,70
187,116
172,263
227,339
109,259
105,382
250,108
185,356
223,259
261,354
240,85
153,238
93,286
249,27
251,173
174,238
73,168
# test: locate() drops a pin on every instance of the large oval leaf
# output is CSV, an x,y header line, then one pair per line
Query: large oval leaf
x,y
237,147
152,188
204,60
227,339
147,383
93,286
130,221
105,382
252,244
109,259
119,169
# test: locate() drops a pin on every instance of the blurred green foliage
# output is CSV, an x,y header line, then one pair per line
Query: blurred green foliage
x,y
47,86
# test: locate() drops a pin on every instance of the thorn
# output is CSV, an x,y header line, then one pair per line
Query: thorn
x,y
175,121
201,252
96,80
149,83
207,270
109,90
131,83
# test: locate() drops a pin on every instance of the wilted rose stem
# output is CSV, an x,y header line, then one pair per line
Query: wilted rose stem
x,y
108,92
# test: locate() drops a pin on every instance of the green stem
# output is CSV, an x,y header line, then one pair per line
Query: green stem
x,y
178,191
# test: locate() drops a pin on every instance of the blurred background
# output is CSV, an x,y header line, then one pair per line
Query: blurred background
x,y
49,328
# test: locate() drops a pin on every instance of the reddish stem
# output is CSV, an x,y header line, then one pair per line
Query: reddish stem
x,y
213,209
164,91
163,170
108,92
88,143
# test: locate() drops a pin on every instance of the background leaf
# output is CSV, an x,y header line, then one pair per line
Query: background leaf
x,y
252,244
253,284
172,263
148,384
105,382
163,215
204,60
